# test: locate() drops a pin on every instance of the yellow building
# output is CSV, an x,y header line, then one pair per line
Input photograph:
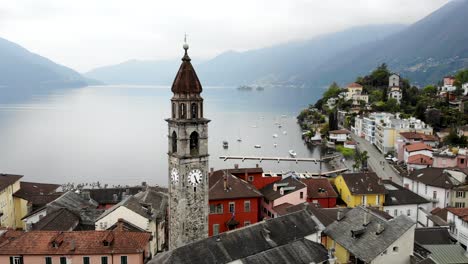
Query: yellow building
x,y
9,184
361,189
30,197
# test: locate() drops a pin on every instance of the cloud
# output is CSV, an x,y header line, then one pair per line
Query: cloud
x,y
87,33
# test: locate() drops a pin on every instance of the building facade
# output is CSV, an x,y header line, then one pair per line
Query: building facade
x,y
188,159
9,184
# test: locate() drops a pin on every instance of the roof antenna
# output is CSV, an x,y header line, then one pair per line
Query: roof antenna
x,y
185,46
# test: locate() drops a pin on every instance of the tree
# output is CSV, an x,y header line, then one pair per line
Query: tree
x,y
333,91
430,90
454,140
461,77
360,160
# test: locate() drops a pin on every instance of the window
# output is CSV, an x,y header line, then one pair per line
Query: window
x,y
63,260
459,205
48,260
246,223
123,260
182,111
16,260
462,161
395,212
377,200
216,208
86,260
461,195
246,206
364,200
173,110
434,194
194,110
194,143
104,260
232,207
215,229
301,195
250,179
174,142
408,212
395,249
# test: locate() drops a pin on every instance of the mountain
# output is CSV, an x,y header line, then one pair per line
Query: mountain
x,y
277,64
20,68
424,52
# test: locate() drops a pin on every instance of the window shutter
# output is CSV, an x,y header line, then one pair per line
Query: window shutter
x,y
11,260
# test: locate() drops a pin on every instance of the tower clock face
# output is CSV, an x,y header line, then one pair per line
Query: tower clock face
x,y
195,177
174,175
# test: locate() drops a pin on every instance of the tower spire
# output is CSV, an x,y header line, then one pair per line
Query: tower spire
x,y
186,47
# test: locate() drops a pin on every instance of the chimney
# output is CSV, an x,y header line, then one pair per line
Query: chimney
x,y
275,188
331,256
211,169
72,245
257,166
339,215
380,229
236,166
366,218
390,178
225,183
380,181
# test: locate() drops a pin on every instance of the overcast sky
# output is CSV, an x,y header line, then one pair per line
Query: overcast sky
x,y
84,34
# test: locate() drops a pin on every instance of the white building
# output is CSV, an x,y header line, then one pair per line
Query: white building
x,y
458,222
394,90
434,184
357,129
145,210
331,102
417,149
339,135
401,201
465,89
369,124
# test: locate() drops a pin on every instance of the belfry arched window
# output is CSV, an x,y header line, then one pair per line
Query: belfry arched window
x,y
174,110
183,111
194,144
174,142
194,110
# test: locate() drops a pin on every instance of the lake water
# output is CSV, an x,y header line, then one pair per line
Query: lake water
x,y
117,134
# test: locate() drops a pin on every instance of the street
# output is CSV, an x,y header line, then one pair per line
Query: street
x,y
377,161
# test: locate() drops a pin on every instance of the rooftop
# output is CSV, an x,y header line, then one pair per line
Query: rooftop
x,y
62,219
131,203
417,147
460,212
226,186
418,136
420,159
273,190
340,131
367,240
260,238
112,195
8,179
156,199
354,85
319,188
398,195
363,183
77,242
432,236
30,190
436,177
447,253
186,80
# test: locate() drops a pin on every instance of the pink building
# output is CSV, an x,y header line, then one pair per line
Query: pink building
x,y
408,138
100,247
287,192
449,159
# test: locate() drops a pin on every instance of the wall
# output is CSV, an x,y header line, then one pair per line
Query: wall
x,y
459,230
444,162
423,152
454,199
21,209
7,205
443,196
403,210
341,254
124,213
355,200
240,215
405,246
112,259
324,202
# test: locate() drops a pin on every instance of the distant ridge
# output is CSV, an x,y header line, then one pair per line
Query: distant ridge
x,y
21,68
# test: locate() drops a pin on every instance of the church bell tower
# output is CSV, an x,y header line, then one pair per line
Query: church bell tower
x,y
188,159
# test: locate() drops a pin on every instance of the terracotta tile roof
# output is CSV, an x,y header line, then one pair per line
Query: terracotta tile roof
x,y
420,159
8,179
418,136
417,146
77,242
29,189
354,85
6,235
460,212
340,131
319,188
236,187
364,183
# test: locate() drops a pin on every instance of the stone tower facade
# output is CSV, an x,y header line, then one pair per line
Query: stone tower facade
x,y
188,159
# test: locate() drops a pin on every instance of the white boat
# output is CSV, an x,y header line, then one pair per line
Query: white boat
x,y
292,153
239,139
284,132
257,146
275,135
225,144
